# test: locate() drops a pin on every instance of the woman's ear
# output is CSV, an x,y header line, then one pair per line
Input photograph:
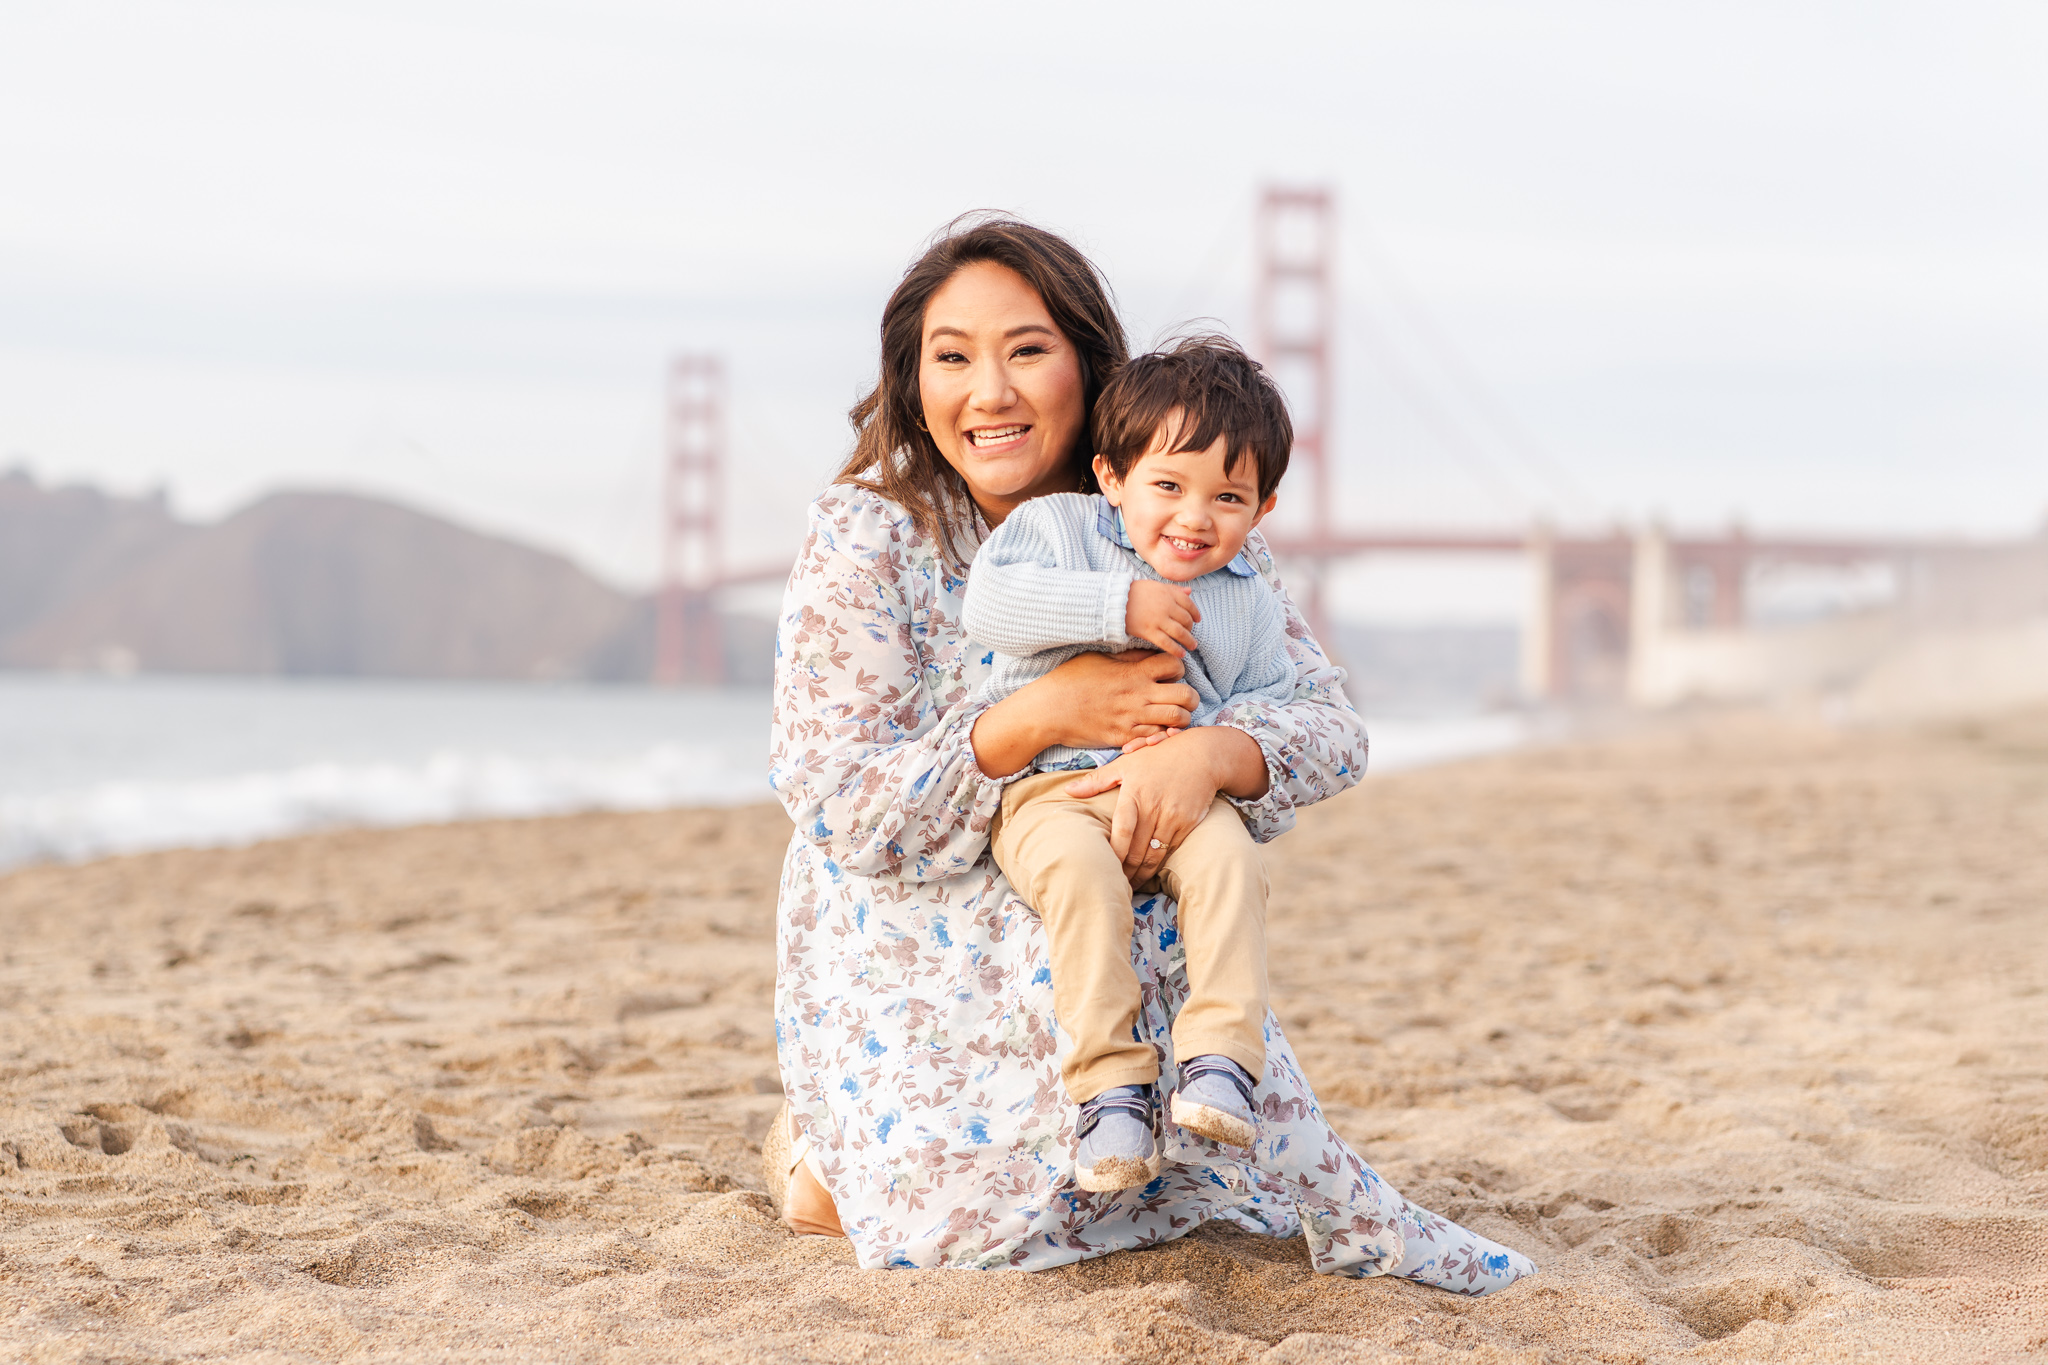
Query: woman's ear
x,y
1265,507
1112,486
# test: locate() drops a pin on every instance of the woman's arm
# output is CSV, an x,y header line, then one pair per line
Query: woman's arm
x,y
1092,701
863,761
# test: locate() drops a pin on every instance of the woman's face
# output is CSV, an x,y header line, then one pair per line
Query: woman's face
x,y
1001,387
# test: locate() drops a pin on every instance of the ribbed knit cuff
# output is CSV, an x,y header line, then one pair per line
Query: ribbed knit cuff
x,y
1116,607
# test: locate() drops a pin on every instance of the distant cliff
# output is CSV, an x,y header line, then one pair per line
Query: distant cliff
x,y
327,584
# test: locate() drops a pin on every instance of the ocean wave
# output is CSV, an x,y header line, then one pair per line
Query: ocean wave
x,y
132,816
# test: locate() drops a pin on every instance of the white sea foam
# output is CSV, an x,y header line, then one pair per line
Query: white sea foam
x,y
90,767
125,817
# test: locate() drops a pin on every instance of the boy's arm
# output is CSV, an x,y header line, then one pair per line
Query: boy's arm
x,y
1021,597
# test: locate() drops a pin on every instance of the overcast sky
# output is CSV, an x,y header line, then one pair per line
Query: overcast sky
x,y
1782,262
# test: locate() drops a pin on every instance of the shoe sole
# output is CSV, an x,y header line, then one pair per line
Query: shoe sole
x,y
1117,1173
1216,1125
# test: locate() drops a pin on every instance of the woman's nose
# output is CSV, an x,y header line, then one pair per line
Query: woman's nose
x,y
993,391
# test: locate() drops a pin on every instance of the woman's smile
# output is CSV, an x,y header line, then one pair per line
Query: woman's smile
x,y
997,438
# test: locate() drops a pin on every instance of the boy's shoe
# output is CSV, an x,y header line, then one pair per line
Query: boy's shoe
x,y
1215,1101
1116,1150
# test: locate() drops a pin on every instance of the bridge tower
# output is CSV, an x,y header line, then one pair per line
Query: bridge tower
x,y
1294,317
688,642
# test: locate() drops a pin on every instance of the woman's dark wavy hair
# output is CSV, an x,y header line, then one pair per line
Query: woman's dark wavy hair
x,y
893,454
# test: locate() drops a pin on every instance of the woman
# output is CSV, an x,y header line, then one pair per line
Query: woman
x,y
913,999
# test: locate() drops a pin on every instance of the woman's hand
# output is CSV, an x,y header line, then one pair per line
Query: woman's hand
x,y
1167,786
1092,701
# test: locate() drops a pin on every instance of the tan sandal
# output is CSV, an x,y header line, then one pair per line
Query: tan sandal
x,y
792,1173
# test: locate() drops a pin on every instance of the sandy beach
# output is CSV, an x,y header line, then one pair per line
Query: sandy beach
x,y
1739,1027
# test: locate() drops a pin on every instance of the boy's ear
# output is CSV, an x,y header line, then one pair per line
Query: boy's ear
x,y
1112,486
1265,507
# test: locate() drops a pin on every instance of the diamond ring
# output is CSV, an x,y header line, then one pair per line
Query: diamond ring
x,y
1157,844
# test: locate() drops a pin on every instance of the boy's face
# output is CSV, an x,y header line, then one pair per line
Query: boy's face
x,y
1184,514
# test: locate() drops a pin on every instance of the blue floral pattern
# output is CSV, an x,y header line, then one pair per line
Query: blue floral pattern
x,y
914,1016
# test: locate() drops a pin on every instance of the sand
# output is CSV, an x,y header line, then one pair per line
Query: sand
x,y
1739,1028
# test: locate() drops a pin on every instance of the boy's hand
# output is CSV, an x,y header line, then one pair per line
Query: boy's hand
x,y
1147,741
1162,615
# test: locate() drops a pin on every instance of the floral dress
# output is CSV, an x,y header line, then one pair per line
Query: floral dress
x,y
913,1004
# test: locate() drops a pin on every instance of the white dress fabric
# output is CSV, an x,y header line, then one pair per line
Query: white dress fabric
x,y
914,1008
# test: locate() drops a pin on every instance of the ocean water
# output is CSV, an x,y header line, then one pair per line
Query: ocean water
x,y
92,766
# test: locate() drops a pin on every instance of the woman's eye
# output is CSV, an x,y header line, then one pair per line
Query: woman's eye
x,y
1033,349
949,357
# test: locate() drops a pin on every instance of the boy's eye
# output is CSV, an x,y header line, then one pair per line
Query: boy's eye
x,y
1166,485
1230,497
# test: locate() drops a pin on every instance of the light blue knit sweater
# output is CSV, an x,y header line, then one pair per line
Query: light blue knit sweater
x,y
1055,579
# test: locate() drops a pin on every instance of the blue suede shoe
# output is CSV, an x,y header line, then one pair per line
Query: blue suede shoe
x,y
1116,1150
1215,1101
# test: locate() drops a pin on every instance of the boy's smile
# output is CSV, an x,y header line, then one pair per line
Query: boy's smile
x,y
1185,514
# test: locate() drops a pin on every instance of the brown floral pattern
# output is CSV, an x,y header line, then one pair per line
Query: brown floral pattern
x,y
913,997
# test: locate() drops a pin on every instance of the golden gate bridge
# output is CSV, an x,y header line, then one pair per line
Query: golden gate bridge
x,y
1596,599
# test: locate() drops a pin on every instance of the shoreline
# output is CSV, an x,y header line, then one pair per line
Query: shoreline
x,y
187,778
1735,1025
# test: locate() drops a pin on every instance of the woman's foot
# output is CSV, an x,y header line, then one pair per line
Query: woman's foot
x,y
1215,1101
805,1204
1116,1150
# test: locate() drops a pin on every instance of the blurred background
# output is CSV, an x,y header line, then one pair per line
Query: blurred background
x,y
1674,355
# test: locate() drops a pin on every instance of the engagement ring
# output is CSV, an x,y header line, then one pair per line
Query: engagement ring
x,y
1157,844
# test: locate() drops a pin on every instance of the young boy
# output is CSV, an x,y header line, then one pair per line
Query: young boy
x,y
1191,444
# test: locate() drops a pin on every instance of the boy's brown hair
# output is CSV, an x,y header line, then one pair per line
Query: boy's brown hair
x,y
1216,389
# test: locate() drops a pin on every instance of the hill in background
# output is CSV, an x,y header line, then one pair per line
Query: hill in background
x,y
308,584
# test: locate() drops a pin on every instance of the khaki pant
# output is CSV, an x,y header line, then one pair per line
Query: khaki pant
x,y
1055,850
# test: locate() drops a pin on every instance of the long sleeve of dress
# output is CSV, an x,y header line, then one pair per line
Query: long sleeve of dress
x,y
873,766
1025,595
1314,741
